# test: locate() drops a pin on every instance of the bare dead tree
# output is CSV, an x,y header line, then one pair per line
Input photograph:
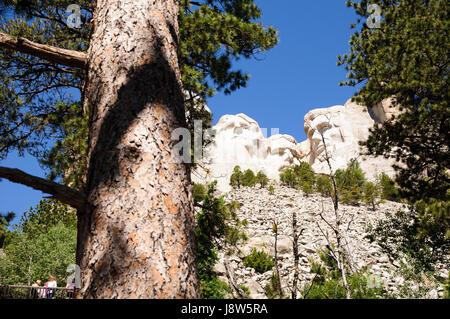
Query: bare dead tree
x,y
342,253
296,235
235,289
275,232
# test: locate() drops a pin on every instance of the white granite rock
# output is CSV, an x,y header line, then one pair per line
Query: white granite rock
x,y
240,141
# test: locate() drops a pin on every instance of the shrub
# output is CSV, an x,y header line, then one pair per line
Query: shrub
x,y
249,178
213,288
327,283
271,190
198,192
259,260
371,194
307,188
298,176
323,185
272,289
388,189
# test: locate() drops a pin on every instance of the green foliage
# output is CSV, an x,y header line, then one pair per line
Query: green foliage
x,y
401,235
271,190
42,244
288,178
327,283
47,214
298,176
259,260
245,290
217,227
5,233
39,100
307,188
236,177
406,59
304,173
249,178
447,288
29,258
371,194
262,179
213,288
198,192
272,289
350,183
323,185
388,189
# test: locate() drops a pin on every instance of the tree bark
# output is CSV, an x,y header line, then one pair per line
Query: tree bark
x,y
57,55
136,239
60,192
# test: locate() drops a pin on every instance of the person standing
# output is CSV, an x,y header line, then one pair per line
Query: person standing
x,y
35,291
70,289
51,283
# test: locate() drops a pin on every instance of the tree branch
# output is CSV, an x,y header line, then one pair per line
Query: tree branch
x,y
52,54
60,192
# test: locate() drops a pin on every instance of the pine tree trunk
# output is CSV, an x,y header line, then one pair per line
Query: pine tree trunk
x,y
136,239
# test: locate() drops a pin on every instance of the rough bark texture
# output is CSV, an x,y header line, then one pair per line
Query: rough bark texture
x,y
46,52
62,193
137,238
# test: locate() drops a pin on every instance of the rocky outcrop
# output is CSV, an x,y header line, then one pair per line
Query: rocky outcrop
x,y
240,141
343,127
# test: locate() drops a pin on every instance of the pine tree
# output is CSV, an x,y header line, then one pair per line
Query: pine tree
x,y
262,179
248,178
133,81
405,60
371,194
236,177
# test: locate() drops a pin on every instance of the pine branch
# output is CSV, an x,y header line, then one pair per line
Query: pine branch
x,y
52,54
60,192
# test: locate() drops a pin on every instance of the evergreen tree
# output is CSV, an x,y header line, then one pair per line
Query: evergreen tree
x,y
248,178
37,99
406,59
388,189
323,185
350,182
287,177
236,177
262,179
304,173
5,220
371,194
218,227
175,63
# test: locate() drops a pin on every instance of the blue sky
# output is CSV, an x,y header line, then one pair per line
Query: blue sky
x,y
298,75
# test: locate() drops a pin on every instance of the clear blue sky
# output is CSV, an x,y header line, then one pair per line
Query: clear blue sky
x,y
298,75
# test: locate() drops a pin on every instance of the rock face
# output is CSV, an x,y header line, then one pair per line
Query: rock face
x,y
240,141
343,127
